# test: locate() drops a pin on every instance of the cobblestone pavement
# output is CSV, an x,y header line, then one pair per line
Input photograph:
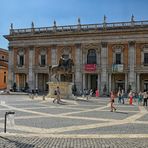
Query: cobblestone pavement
x,y
72,124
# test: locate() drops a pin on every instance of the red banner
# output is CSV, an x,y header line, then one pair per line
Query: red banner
x,y
90,67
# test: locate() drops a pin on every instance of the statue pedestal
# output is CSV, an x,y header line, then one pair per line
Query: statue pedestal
x,y
65,89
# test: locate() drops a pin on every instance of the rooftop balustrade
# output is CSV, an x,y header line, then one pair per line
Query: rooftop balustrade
x,y
81,27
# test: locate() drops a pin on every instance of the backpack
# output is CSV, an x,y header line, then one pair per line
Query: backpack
x,y
55,92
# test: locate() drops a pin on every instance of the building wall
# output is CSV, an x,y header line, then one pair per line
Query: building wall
x,y
132,42
3,68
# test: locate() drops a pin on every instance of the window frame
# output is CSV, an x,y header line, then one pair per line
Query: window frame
x,y
91,56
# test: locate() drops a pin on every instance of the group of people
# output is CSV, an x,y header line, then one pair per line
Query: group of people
x,y
86,93
90,93
141,97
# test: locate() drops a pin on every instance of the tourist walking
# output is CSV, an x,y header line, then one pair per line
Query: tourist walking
x,y
130,97
145,96
122,96
90,93
36,92
112,100
140,98
97,93
57,93
119,96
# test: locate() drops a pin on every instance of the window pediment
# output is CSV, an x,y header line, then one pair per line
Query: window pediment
x,y
144,48
118,48
43,51
87,47
21,51
66,51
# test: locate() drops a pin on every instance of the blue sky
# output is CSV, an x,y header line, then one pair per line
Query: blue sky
x,y
43,12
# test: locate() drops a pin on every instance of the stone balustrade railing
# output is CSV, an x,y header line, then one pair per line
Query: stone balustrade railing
x,y
81,27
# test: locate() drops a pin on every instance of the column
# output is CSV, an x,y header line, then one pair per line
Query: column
x,y
78,67
104,77
36,80
18,81
131,58
84,82
126,87
110,82
31,78
138,82
99,83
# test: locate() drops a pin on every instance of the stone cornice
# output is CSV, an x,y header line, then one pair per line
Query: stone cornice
x,y
80,40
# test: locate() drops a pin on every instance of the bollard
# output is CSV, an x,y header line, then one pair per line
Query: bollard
x,y
6,114
43,97
32,96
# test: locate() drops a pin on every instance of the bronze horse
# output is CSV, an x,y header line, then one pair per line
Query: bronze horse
x,y
64,67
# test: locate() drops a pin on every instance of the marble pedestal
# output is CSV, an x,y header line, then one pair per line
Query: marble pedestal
x,y
65,89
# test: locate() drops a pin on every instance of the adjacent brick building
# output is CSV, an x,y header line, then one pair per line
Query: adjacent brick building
x,y
106,56
3,68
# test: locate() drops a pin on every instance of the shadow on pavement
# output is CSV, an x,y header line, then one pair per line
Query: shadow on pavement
x,y
121,112
17,143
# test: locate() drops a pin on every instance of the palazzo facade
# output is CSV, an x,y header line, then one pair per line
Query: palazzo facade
x,y
106,56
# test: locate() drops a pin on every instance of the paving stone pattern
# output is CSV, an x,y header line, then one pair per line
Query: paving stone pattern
x,y
72,124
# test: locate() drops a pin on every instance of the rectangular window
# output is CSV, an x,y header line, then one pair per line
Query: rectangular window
x,y
4,77
145,58
43,60
118,58
21,63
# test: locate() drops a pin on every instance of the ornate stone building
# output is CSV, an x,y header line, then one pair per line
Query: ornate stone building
x,y
3,68
106,56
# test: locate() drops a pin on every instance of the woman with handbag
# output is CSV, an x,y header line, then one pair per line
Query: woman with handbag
x,y
112,100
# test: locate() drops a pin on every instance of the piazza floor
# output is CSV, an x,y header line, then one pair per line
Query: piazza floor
x,y
72,124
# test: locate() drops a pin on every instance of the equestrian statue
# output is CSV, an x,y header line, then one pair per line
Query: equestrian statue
x,y
64,67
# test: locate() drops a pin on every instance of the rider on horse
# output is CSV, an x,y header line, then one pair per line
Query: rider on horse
x,y
66,64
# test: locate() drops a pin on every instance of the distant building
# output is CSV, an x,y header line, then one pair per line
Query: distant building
x,y
107,56
3,68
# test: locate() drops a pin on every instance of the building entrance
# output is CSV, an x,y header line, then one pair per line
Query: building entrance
x,y
119,85
146,86
42,82
21,81
143,82
93,82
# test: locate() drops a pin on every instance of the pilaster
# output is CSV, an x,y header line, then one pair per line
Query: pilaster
x,y
138,82
131,59
31,77
126,82
78,67
54,55
110,82
104,76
